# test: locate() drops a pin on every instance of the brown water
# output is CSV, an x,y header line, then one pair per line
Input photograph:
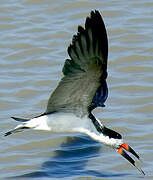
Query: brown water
x,y
34,36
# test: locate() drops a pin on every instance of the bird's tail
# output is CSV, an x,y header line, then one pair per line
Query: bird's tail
x,y
20,119
19,128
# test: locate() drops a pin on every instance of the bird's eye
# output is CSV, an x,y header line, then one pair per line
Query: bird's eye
x,y
119,136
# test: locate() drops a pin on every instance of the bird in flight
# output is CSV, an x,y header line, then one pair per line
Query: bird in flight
x,y
82,89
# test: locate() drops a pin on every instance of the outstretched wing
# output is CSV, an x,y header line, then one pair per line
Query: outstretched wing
x,y
85,72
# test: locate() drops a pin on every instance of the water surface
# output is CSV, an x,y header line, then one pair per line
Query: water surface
x,y
34,36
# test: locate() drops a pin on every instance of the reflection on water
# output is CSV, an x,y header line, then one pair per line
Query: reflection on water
x,y
71,160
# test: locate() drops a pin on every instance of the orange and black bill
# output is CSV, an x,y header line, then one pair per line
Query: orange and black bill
x,y
126,156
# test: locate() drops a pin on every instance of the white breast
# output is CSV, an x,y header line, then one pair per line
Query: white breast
x,y
59,122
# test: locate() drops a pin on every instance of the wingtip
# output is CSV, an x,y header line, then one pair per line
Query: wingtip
x,y
94,12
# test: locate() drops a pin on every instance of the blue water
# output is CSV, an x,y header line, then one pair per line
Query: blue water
x,y
34,36
71,161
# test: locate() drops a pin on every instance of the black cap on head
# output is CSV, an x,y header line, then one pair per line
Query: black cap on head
x,y
110,133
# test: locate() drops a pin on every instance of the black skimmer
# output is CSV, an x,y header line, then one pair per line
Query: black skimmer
x,y
82,89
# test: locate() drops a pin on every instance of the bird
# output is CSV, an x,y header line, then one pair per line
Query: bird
x,y
82,88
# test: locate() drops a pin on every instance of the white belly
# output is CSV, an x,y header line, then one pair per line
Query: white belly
x,y
59,122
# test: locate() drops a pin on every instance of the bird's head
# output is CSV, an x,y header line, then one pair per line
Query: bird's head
x,y
115,140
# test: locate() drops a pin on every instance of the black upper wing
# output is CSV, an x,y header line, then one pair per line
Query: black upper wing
x,y
85,72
